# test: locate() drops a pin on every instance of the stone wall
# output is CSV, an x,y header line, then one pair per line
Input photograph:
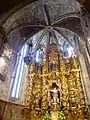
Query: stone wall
x,y
7,62
5,66
9,111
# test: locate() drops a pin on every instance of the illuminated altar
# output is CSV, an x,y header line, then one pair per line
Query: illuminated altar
x,y
54,86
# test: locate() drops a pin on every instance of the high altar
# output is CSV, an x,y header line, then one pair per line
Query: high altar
x,y
55,88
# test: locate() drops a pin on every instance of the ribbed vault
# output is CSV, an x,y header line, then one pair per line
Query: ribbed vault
x,y
50,15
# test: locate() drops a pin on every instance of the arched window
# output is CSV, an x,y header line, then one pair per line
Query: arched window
x,y
39,56
68,50
18,72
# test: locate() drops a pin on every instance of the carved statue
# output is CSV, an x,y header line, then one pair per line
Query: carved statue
x,y
37,104
55,96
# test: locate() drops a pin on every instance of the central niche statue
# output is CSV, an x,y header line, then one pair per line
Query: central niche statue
x,y
54,97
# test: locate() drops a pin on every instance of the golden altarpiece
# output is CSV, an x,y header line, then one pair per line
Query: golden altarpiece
x,y
55,85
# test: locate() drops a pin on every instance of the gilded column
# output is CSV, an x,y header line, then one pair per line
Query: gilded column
x,y
45,85
29,86
64,84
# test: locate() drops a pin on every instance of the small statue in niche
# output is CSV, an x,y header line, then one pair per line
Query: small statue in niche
x,y
37,104
55,96
53,67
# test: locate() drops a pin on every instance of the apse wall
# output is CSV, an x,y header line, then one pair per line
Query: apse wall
x,y
12,109
9,111
7,75
7,61
4,89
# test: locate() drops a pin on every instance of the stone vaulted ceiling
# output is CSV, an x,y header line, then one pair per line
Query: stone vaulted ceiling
x,y
43,14
6,5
